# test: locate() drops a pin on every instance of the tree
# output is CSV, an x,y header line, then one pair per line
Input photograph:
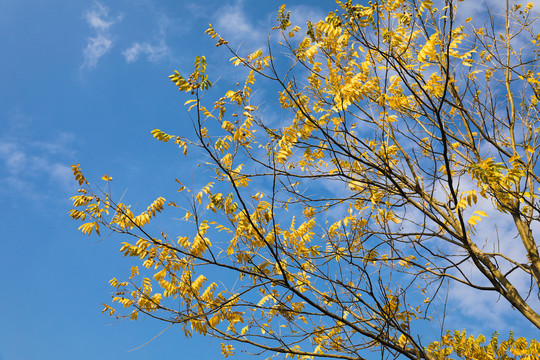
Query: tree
x,y
406,130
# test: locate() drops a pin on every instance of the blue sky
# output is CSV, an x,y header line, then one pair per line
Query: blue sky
x,y
85,82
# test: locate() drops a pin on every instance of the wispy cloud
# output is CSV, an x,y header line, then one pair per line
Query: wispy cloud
x,y
300,14
14,159
154,53
484,311
98,18
33,169
101,43
95,49
233,23
24,169
155,50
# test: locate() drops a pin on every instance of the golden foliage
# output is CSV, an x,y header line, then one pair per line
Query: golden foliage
x,y
330,233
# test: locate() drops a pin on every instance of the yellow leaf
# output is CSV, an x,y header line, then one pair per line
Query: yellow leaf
x,y
473,220
481,213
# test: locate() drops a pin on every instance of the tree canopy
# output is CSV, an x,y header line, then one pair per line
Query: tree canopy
x,y
407,136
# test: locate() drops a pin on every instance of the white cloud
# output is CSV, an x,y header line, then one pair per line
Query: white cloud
x,y
61,174
98,45
97,18
15,161
484,311
155,50
300,14
61,145
33,169
154,53
13,158
233,23
95,49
